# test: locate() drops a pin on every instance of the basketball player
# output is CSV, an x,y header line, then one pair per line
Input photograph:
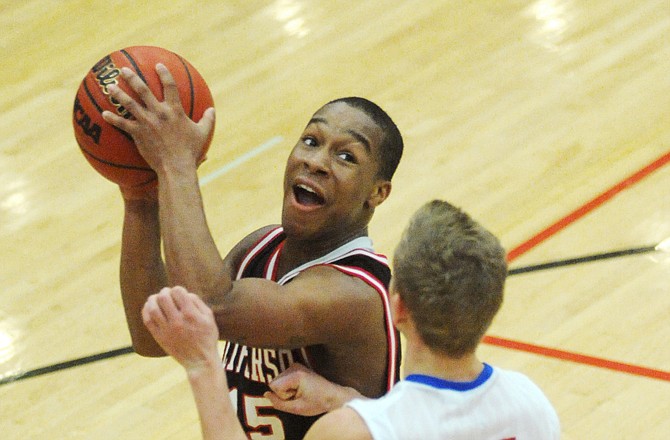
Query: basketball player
x,y
449,274
311,290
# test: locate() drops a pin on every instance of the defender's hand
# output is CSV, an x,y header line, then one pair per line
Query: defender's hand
x,y
184,327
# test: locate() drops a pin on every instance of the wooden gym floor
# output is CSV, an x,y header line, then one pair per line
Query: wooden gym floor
x,y
548,120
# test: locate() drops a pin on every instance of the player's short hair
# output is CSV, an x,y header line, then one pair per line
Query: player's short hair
x,y
390,150
450,272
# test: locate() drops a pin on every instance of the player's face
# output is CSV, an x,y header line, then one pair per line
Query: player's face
x,y
331,185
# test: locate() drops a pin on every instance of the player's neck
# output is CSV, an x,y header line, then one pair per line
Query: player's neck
x,y
419,359
297,251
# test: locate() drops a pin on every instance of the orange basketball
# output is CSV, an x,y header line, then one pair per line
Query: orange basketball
x,y
109,150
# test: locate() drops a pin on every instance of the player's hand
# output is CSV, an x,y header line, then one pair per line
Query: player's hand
x,y
164,134
299,390
184,327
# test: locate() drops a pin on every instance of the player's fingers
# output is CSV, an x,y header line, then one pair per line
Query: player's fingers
x,y
285,386
140,87
180,296
152,315
192,306
284,392
291,406
117,121
170,90
178,291
200,305
277,401
167,305
206,314
206,123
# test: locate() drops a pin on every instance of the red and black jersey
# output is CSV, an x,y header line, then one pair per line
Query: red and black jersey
x,y
250,369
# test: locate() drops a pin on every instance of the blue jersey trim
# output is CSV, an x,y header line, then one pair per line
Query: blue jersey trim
x,y
436,382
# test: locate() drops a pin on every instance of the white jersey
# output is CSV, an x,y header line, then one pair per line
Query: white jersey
x,y
498,405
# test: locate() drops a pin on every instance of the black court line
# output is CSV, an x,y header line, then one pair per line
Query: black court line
x,y
65,365
580,260
515,271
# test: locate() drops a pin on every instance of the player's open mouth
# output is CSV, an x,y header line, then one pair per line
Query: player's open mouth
x,y
307,196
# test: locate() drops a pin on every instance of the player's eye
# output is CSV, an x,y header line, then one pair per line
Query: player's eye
x,y
309,141
348,157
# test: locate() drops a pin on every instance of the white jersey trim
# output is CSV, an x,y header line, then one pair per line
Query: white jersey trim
x,y
257,248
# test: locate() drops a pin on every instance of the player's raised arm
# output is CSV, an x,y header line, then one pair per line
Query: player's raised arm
x,y
171,143
156,126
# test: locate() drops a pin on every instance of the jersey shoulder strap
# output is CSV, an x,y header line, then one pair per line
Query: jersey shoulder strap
x,y
255,262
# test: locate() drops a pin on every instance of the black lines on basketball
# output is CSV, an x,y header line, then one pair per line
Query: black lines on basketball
x,y
112,164
91,98
190,86
131,60
100,110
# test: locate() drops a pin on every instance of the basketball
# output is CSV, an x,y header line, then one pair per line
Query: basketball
x,y
109,150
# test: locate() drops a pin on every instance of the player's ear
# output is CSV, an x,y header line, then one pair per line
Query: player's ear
x,y
379,193
399,310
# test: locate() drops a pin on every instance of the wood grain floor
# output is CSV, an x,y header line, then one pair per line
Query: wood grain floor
x,y
547,120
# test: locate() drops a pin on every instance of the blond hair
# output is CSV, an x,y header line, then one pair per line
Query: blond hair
x,y
450,272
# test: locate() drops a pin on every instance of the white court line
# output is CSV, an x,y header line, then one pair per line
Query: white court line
x,y
240,160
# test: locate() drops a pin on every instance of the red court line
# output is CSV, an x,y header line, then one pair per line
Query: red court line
x,y
579,358
588,207
552,230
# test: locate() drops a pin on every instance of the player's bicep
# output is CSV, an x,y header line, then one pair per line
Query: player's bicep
x,y
320,306
341,304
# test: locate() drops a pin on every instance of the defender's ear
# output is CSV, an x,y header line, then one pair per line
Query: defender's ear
x,y
399,311
379,193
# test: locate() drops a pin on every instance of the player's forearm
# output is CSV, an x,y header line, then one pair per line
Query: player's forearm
x,y
217,416
142,272
192,258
